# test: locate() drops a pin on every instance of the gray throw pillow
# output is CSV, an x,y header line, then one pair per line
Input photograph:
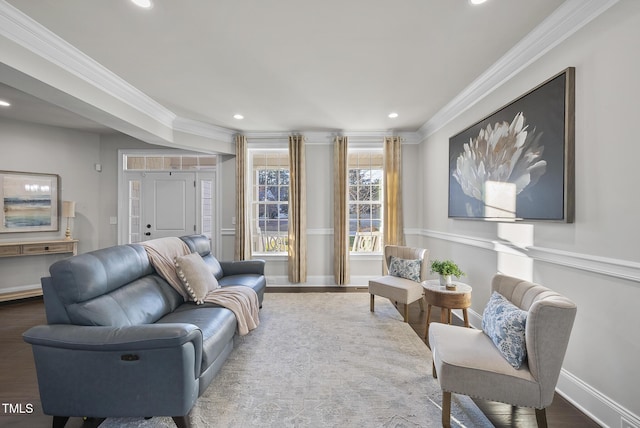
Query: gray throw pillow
x,y
196,276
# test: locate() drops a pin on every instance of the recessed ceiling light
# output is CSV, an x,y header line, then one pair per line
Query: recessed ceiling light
x,y
143,3
477,1
238,116
4,103
393,115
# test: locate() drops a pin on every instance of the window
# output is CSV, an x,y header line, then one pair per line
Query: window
x,y
169,162
134,211
365,199
270,200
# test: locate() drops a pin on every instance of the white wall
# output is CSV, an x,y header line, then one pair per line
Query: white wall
x,y
71,155
594,261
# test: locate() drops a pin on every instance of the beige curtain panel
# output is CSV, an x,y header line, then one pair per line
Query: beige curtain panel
x,y
392,210
297,211
243,230
341,211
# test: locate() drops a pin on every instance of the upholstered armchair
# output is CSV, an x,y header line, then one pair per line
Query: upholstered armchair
x,y
467,361
403,271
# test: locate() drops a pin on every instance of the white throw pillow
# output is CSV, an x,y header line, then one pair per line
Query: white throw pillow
x,y
196,276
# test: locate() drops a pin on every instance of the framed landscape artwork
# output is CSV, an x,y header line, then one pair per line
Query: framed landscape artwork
x,y
29,202
518,163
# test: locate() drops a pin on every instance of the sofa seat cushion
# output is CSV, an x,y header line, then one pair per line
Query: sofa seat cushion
x,y
396,289
218,326
461,371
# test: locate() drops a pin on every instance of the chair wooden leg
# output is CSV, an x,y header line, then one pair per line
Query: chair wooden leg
x,y
541,418
434,373
371,303
446,409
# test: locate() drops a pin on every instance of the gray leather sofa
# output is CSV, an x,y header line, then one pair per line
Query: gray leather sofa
x,y
121,342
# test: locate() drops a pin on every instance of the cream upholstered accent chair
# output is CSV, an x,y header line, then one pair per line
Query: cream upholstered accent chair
x,y
466,361
396,288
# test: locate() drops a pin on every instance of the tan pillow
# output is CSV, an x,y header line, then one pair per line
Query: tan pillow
x,y
195,276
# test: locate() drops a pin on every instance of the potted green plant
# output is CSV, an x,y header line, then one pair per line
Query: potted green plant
x,y
446,269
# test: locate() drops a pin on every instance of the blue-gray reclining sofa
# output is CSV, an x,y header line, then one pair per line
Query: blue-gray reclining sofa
x,y
121,342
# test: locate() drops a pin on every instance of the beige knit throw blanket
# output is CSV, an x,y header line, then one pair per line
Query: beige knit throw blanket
x,y
241,300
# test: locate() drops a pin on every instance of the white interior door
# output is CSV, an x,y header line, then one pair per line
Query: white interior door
x,y
168,204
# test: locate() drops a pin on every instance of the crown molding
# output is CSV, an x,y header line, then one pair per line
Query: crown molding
x,y
327,137
31,35
566,20
203,129
571,16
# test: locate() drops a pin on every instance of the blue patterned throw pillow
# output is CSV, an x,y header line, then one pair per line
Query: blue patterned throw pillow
x,y
405,268
505,324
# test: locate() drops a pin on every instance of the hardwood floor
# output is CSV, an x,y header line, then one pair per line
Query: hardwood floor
x,y
19,386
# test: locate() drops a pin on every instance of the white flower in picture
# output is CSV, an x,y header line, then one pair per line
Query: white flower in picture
x,y
506,152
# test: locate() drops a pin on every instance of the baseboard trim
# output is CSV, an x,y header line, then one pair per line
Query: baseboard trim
x,y
593,403
22,292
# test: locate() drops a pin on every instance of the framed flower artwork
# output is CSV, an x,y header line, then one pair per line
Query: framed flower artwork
x,y
518,162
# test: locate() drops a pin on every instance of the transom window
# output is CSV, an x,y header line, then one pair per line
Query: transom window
x,y
270,200
169,162
365,199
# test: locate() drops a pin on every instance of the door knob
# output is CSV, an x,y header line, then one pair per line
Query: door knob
x,y
148,234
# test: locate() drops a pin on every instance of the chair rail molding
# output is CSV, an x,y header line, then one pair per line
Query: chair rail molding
x,y
617,268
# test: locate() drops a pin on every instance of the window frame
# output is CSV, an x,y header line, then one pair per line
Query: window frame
x,y
375,237
258,198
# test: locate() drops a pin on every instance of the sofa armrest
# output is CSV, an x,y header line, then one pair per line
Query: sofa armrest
x,y
146,336
240,267
100,371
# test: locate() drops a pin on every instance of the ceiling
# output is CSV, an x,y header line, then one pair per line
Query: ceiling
x,y
286,65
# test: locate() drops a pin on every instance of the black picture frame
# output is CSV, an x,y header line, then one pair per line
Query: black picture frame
x,y
518,162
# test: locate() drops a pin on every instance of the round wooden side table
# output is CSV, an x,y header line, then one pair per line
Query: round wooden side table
x,y
438,295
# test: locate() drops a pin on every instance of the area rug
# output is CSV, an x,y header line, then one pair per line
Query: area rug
x,y
324,360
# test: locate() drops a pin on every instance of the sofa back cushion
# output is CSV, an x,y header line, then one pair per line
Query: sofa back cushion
x,y
143,301
114,286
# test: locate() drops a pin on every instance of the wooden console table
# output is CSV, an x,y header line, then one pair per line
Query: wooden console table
x,y
37,248
34,248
